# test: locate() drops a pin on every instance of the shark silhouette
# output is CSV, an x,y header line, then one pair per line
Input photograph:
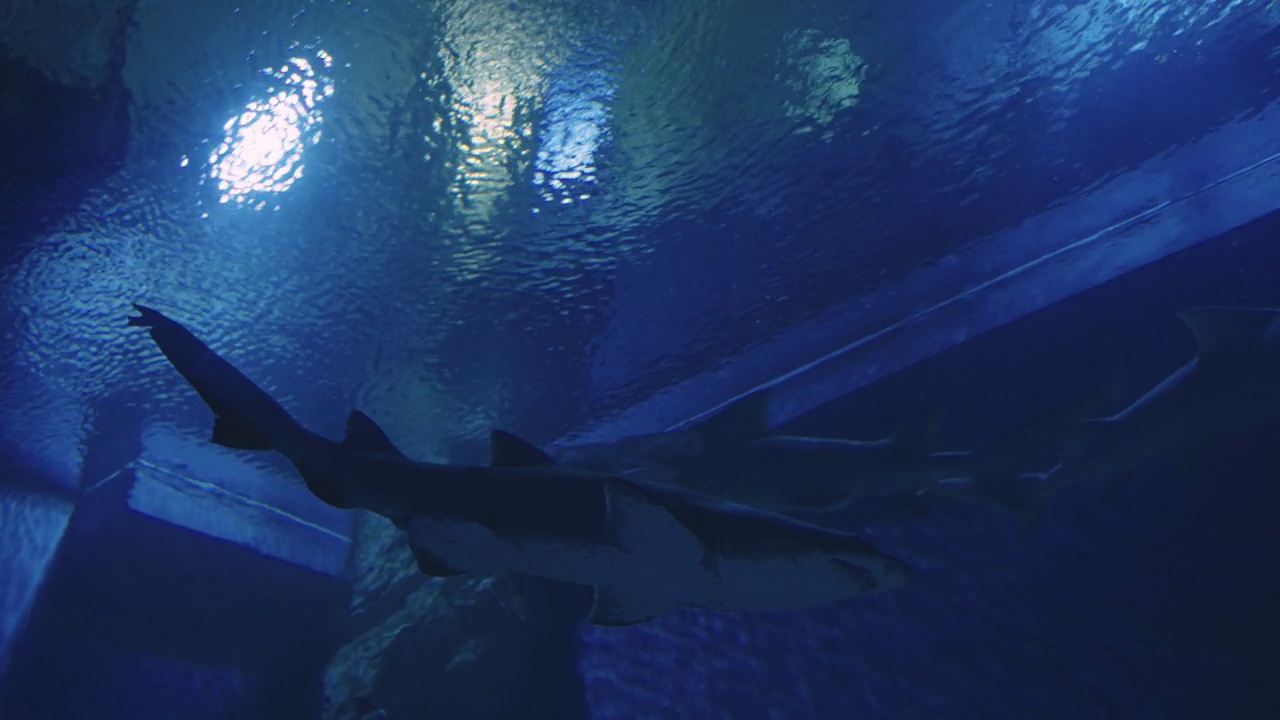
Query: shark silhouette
x,y
749,464
644,549
1231,385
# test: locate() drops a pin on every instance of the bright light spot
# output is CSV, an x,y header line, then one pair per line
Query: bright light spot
x,y
826,78
488,109
261,153
576,126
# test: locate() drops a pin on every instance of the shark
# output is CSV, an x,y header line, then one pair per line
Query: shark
x,y
1231,385
813,474
790,473
645,550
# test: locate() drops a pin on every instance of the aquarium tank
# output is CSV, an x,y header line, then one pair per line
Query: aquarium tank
x,y
608,359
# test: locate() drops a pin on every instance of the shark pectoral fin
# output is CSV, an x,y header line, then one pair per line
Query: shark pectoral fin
x,y
612,607
641,525
364,435
430,564
508,450
238,436
1228,329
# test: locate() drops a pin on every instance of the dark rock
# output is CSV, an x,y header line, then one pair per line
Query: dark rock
x,y
465,647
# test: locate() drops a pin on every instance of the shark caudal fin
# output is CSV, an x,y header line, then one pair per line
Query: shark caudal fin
x,y
245,416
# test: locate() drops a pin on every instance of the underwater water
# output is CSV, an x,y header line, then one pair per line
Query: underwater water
x,y
584,221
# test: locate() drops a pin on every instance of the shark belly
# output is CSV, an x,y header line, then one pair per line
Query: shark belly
x,y
644,560
664,581
477,549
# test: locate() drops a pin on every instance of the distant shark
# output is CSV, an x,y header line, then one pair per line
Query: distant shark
x,y
644,549
750,464
818,474
1231,385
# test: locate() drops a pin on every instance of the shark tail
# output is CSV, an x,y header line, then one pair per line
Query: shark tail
x,y
1008,469
245,416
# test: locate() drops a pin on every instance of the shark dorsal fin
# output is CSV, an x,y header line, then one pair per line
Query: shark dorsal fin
x,y
363,434
508,450
740,422
1228,329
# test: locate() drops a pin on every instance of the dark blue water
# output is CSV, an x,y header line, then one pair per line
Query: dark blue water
x,y
1150,606
536,215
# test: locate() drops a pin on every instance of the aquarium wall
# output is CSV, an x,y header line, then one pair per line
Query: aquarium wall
x,y
579,221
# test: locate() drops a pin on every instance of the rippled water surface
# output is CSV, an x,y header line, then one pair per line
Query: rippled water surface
x,y
535,214
465,212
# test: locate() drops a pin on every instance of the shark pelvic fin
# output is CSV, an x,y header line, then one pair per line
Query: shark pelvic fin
x,y
508,450
364,435
430,564
238,436
1228,329
614,608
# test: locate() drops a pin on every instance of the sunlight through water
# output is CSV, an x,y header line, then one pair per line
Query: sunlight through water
x,y
261,153
577,122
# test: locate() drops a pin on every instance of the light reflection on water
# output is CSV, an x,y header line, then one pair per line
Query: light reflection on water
x,y
261,154
577,124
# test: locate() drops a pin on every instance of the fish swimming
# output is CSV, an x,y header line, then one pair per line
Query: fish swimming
x,y
790,474
645,550
764,469
819,474
1231,385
